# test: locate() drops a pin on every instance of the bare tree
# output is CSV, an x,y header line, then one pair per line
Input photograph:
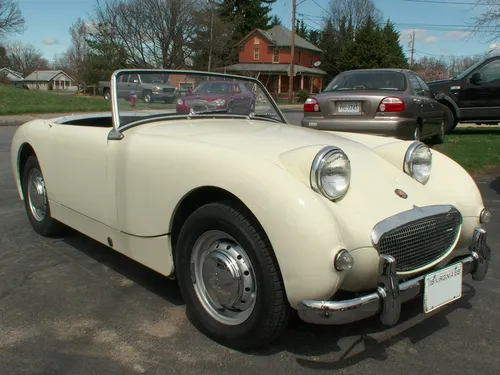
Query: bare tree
x,y
354,11
75,57
154,33
488,23
25,58
11,19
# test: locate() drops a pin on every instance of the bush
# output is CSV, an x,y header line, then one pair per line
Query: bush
x,y
302,96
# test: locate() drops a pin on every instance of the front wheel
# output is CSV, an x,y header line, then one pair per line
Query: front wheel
x,y
229,277
36,201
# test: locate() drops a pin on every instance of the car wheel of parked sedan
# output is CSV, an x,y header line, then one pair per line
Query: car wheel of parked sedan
x,y
107,94
36,201
417,133
147,97
439,138
229,277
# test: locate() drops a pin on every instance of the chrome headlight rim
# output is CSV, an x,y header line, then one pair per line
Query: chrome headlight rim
x,y
408,165
317,165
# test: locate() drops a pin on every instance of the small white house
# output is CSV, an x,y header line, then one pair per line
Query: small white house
x,y
9,75
50,80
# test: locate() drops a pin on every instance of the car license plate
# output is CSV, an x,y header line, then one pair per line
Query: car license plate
x,y
442,287
348,107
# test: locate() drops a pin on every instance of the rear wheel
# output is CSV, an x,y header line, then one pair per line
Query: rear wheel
x,y
107,94
417,133
439,138
449,119
36,201
229,277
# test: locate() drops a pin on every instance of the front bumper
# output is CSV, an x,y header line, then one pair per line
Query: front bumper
x,y
386,301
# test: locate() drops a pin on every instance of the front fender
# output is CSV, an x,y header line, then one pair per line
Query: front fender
x,y
302,229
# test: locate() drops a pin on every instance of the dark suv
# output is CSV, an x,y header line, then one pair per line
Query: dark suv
x,y
473,96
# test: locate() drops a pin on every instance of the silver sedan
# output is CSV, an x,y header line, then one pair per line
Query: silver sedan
x,y
387,102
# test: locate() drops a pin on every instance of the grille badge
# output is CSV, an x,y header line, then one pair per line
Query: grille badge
x,y
401,194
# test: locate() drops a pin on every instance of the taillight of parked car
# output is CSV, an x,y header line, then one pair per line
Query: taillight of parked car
x,y
311,105
391,104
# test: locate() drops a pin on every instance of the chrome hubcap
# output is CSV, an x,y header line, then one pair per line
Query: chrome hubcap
x,y
37,196
223,277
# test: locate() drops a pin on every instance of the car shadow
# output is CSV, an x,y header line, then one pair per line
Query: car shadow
x,y
308,340
141,275
495,185
301,339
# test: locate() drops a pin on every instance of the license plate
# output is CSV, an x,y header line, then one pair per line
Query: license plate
x,y
349,107
442,287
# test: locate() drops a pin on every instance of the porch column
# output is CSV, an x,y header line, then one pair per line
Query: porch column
x,y
311,83
301,82
279,83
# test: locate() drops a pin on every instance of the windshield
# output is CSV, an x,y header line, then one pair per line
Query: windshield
x,y
189,93
368,80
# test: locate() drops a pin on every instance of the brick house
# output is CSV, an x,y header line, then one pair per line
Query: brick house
x,y
265,55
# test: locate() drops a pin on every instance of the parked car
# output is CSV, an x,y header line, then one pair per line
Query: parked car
x,y
256,218
386,102
218,95
150,88
473,96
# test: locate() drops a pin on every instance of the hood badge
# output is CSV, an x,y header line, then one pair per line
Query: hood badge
x,y
401,194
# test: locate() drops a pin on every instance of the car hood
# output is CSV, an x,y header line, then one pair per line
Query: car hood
x,y
209,97
264,139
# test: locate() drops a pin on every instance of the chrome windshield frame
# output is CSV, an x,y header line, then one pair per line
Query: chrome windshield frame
x,y
116,132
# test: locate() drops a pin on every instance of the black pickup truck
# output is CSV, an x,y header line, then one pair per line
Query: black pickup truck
x,y
473,96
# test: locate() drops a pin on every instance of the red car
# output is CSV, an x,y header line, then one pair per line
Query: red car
x,y
223,96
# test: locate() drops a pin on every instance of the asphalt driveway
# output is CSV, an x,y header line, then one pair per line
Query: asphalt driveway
x,y
72,306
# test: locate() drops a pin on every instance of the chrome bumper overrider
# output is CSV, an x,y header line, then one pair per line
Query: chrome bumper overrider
x,y
386,301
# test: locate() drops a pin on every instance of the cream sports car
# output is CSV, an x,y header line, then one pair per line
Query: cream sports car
x,y
256,218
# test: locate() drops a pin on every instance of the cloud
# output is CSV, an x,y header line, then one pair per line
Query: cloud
x,y
457,35
421,35
50,41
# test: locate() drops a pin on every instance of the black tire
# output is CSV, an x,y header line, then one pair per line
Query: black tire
x,y
271,312
449,119
106,94
417,132
146,94
440,137
44,225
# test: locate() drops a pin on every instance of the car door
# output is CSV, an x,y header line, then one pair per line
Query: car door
x,y
480,93
76,169
423,104
122,86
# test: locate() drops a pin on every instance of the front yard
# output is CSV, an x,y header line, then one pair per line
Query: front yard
x,y
476,149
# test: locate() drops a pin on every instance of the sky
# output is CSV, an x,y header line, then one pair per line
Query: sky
x,y
441,26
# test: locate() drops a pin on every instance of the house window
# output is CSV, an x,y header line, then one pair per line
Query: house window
x,y
256,54
276,56
256,40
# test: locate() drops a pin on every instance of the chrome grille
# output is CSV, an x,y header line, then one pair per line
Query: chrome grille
x,y
421,241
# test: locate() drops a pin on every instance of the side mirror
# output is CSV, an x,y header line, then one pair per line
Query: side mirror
x,y
476,78
136,81
439,96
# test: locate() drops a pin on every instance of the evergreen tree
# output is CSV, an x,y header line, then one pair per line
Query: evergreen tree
x,y
394,56
301,29
275,21
330,51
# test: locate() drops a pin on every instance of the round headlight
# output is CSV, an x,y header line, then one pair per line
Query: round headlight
x,y
331,173
418,162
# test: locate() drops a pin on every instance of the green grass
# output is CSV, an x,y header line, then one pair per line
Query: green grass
x,y
476,149
15,101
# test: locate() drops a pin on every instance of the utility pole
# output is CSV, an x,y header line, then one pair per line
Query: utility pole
x,y
211,36
412,48
292,53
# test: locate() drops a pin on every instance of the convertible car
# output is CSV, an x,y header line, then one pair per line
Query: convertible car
x,y
255,218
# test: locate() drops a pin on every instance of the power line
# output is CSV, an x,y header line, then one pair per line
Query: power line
x,y
446,2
